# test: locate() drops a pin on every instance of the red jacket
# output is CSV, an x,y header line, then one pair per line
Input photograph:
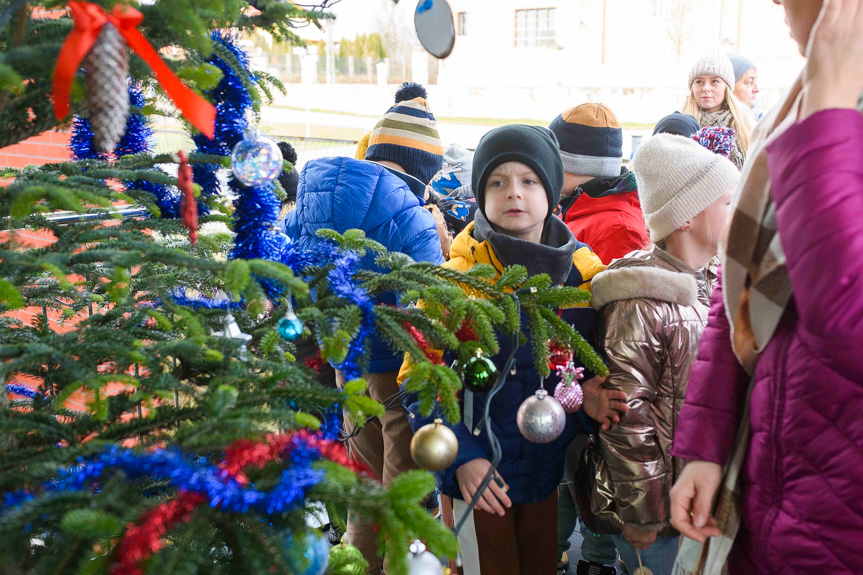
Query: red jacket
x,y
606,215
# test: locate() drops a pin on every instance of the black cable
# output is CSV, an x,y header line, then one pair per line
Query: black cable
x,y
497,453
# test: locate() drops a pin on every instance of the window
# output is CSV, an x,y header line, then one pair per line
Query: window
x,y
462,23
662,9
535,28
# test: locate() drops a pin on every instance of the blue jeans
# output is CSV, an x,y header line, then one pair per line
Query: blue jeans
x,y
659,558
597,548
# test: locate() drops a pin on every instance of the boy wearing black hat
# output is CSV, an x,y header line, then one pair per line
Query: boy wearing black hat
x,y
517,177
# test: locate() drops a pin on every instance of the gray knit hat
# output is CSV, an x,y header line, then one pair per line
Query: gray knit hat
x,y
741,65
677,180
715,63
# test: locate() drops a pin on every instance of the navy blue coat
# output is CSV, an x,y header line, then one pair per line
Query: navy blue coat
x,y
532,471
342,194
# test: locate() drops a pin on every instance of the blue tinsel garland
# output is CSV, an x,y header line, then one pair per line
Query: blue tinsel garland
x,y
136,140
192,474
22,390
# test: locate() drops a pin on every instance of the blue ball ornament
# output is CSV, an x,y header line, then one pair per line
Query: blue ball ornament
x,y
314,557
290,327
256,160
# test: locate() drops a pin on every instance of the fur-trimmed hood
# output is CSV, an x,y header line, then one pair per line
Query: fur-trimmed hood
x,y
651,274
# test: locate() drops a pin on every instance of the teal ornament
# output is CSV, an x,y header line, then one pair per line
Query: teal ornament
x,y
480,373
314,557
256,161
290,326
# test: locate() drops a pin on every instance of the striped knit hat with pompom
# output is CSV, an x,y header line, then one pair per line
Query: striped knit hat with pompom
x,y
407,135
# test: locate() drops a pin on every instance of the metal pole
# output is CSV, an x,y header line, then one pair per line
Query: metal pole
x,y
604,15
739,23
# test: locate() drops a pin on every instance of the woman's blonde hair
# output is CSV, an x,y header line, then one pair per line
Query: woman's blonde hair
x,y
740,121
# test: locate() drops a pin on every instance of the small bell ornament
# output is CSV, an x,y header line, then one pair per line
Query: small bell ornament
x,y
568,392
290,327
541,418
434,446
232,331
256,160
480,373
422,562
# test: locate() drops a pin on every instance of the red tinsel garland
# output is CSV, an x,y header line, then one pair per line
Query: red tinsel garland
x,y
144,539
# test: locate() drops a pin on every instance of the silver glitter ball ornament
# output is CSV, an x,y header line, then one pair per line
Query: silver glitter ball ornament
x,y
422,562
541,418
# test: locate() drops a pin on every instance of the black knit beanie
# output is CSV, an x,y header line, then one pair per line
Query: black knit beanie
x,y
533,146
289,180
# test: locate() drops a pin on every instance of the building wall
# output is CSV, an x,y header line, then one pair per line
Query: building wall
x,y
639,51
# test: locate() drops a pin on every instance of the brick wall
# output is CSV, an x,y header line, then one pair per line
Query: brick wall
x,y
46,148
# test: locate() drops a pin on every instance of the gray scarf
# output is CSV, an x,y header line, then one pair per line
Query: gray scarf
x,y
553,256
724,119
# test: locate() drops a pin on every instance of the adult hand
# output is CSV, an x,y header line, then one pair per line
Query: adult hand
x,y
470,476
692,499
834,71
603,405
639,538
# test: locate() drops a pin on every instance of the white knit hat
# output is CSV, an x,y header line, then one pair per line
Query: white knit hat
x,y
677,179
714,63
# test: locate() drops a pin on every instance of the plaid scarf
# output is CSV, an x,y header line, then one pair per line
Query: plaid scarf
x,y
755,279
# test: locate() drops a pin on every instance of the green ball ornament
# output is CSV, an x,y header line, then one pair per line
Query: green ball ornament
x,y
479,373
347,560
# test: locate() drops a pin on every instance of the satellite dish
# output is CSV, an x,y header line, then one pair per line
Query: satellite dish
x,y
435,27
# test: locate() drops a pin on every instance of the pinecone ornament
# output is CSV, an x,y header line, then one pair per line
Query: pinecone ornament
x,y
107,66
568,392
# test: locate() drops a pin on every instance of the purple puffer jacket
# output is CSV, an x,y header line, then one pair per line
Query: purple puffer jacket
x,y
803,476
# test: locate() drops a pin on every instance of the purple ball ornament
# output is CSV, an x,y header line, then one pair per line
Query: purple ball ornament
x,y
541,418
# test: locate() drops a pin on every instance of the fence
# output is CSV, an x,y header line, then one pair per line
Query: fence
x,y
168,141
347,70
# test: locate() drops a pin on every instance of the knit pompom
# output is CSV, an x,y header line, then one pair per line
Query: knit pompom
x,y
409,91
717,139
288,152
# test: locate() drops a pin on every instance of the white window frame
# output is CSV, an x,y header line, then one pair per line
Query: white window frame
x,y
535,28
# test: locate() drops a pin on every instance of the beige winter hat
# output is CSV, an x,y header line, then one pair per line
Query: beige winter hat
x,y
715,63
677,179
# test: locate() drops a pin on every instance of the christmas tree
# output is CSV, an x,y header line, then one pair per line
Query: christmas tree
x,y
153,417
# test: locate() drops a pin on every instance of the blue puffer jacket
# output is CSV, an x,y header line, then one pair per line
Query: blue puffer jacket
x,y
342,194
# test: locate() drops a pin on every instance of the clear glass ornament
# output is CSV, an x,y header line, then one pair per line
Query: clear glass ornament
x,y
256,160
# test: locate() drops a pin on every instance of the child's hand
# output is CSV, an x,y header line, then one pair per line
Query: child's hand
x,y
639,538
833,77
469,477
603,405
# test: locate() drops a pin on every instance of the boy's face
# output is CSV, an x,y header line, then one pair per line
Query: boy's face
x,y
515,201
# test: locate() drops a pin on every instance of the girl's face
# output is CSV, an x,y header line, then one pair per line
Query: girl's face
x,y
707,226
709,92
800,15
747,88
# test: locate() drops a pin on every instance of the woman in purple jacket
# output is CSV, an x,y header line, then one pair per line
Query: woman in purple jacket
x,y
789,317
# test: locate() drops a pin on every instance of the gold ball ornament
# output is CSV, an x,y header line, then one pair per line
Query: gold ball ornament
x,y
434,446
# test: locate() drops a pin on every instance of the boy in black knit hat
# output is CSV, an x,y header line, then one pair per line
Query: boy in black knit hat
x,y
517,177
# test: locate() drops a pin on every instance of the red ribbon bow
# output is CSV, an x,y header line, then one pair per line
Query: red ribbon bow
x,y
89,20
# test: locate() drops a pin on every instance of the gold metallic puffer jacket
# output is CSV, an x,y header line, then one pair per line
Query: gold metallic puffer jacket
x,y
653,309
